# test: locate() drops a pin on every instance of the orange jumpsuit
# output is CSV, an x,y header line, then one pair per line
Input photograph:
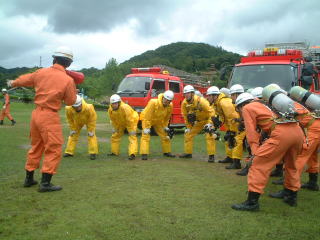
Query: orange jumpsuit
x,y
285,142
6,110
309,154
52,86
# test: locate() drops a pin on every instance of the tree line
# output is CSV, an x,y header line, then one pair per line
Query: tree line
x,y
190,57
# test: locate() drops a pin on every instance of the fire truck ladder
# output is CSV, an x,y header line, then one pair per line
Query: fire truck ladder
x,y
313,52
186,77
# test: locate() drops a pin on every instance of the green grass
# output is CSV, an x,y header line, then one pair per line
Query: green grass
x,y
113,198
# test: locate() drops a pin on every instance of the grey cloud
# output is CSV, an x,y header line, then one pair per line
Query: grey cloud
x,y
74,16
260,23
15,43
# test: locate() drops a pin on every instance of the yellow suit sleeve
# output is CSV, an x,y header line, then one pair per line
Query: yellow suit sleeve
x,y
148,112
184,113
91,125
168,116
70,120
207,109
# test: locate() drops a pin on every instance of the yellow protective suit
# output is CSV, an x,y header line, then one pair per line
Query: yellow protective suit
x,y
203,111
76,121
124,118
227,114
157,116
237,151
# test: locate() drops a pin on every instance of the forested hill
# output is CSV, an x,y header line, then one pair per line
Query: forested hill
x,y
190,57
195,58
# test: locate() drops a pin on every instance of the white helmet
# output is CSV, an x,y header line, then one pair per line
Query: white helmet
x,y
63,52
198,93
257,92
213,91
115,98
243,97
188,89
226,91
78,101
4,90
168,95
274,85
237,88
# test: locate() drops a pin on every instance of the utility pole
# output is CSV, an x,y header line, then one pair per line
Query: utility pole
x,y
40,62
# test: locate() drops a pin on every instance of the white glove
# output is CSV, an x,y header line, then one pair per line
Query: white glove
x,y
187,130
9,83
72,132
166,129
90,134
146,131
4,107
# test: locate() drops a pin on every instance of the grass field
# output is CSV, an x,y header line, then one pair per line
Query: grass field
x,y
113,198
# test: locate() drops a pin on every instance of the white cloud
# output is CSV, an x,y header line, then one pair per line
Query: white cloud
x,y
100,30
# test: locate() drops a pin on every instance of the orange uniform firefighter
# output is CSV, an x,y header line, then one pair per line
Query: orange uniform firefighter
x,y
52,86
197,114
123,117
78,115
157,114
285,141
5,111
310,120
309,154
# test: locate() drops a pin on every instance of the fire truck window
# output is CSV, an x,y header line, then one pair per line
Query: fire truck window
x,y
174,87
157,88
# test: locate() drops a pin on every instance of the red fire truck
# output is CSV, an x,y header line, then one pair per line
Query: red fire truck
x,y
142,84
276,63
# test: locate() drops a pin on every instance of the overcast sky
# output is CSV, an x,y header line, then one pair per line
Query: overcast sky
x,y
98,30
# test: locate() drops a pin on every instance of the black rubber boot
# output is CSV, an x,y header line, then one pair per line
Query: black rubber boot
x,y
67,155
251,204
280,181
186,155
29,181
290,197
244,171
13,122
226,160
144,157
169,155
313,182
132,157
279,194
278,171
46,186
93,156
1,122
211,159
235,164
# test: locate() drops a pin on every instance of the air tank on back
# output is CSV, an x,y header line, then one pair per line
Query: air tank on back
x,y
305,97
275,96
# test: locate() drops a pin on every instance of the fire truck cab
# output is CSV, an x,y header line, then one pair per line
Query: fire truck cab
x,y
274,64
143,84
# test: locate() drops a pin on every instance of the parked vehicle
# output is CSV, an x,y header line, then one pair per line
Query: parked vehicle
x,y
277,63
142,84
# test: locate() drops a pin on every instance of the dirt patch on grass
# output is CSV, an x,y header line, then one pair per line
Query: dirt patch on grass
x,y
25,146
105,140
